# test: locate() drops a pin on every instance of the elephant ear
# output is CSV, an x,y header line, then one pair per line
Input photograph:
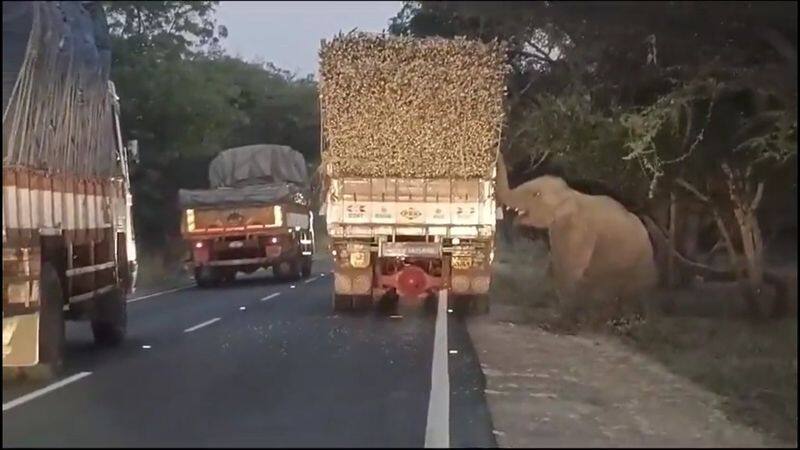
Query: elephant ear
x,y
572,243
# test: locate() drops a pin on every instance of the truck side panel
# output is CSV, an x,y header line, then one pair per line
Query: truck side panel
x,y
67,222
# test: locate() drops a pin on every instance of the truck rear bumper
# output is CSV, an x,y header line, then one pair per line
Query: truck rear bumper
x,y
240,262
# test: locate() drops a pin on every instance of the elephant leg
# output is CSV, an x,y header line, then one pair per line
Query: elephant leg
x,y
572,246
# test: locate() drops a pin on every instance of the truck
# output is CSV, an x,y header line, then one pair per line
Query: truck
x,y
396,234
255,215
68,240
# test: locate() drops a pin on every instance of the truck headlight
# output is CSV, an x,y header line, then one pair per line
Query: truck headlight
x,y
190,220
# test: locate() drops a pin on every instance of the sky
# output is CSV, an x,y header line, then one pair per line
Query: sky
x,y
288,34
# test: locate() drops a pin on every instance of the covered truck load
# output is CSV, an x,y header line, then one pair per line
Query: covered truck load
x,y
56,66
252,175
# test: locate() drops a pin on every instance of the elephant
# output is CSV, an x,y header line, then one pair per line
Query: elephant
x,y
598,249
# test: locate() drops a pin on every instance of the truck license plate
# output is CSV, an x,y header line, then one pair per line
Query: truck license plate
x,y
411,250
236,244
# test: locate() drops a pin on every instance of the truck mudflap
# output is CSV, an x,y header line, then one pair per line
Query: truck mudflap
x,y
21,340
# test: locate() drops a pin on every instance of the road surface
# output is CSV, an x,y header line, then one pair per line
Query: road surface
x,y
259,363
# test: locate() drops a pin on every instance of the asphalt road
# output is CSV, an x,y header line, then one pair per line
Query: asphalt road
x,y
242,366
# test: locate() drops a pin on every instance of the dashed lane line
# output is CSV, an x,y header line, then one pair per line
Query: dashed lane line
x,y
40,392
155,294
273,295
201,325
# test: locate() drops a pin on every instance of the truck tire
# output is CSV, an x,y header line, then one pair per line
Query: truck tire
x,y
204,277
228,277
305,266
342,302
362,302
287,270
110,322
52,336
480,304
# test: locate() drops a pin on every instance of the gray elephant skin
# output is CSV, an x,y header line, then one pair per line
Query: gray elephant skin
x,y
599,250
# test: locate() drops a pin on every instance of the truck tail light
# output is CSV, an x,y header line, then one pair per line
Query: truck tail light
x,y
480,284
460,283
202,253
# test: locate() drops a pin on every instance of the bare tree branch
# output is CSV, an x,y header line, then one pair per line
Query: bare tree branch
x,y
540,51
686,185
759,195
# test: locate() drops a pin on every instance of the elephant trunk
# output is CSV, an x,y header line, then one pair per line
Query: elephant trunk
x,y
504,194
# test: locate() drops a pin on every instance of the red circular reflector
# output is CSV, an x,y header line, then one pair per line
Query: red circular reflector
x,y
411,281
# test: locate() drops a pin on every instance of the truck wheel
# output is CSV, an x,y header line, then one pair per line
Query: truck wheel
x,y
287,270
203,276
51,328
362,302
480,304
229,277
342,302
110,322
305,266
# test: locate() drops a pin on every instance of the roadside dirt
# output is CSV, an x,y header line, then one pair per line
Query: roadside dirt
x,y
549,390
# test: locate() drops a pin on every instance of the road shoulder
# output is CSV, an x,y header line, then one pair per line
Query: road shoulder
x,y
550,390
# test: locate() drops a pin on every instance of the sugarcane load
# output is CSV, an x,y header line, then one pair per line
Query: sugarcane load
x,y
407,107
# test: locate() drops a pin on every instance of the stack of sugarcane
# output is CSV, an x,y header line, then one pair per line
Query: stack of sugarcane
x,y
406,107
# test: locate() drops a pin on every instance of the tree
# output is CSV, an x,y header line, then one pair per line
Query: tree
x,y
185,100
646,97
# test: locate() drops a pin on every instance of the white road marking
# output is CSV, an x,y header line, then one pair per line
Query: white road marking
x,y
242,308
270,296
201,325
146,347
38,393
292,287
131,300
453,352
437,428
310,280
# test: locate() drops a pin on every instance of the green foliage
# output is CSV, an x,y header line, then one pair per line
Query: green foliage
x,y
628,91
184,100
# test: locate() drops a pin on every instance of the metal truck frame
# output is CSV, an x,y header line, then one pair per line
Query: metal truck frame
x,y
403,238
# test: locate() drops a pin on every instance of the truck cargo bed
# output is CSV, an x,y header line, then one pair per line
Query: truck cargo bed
x,y
445,207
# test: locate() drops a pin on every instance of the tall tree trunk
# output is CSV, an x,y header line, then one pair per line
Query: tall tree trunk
x,y
673,209
744,210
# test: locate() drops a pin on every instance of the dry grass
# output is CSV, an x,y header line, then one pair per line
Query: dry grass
x,y
752,366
